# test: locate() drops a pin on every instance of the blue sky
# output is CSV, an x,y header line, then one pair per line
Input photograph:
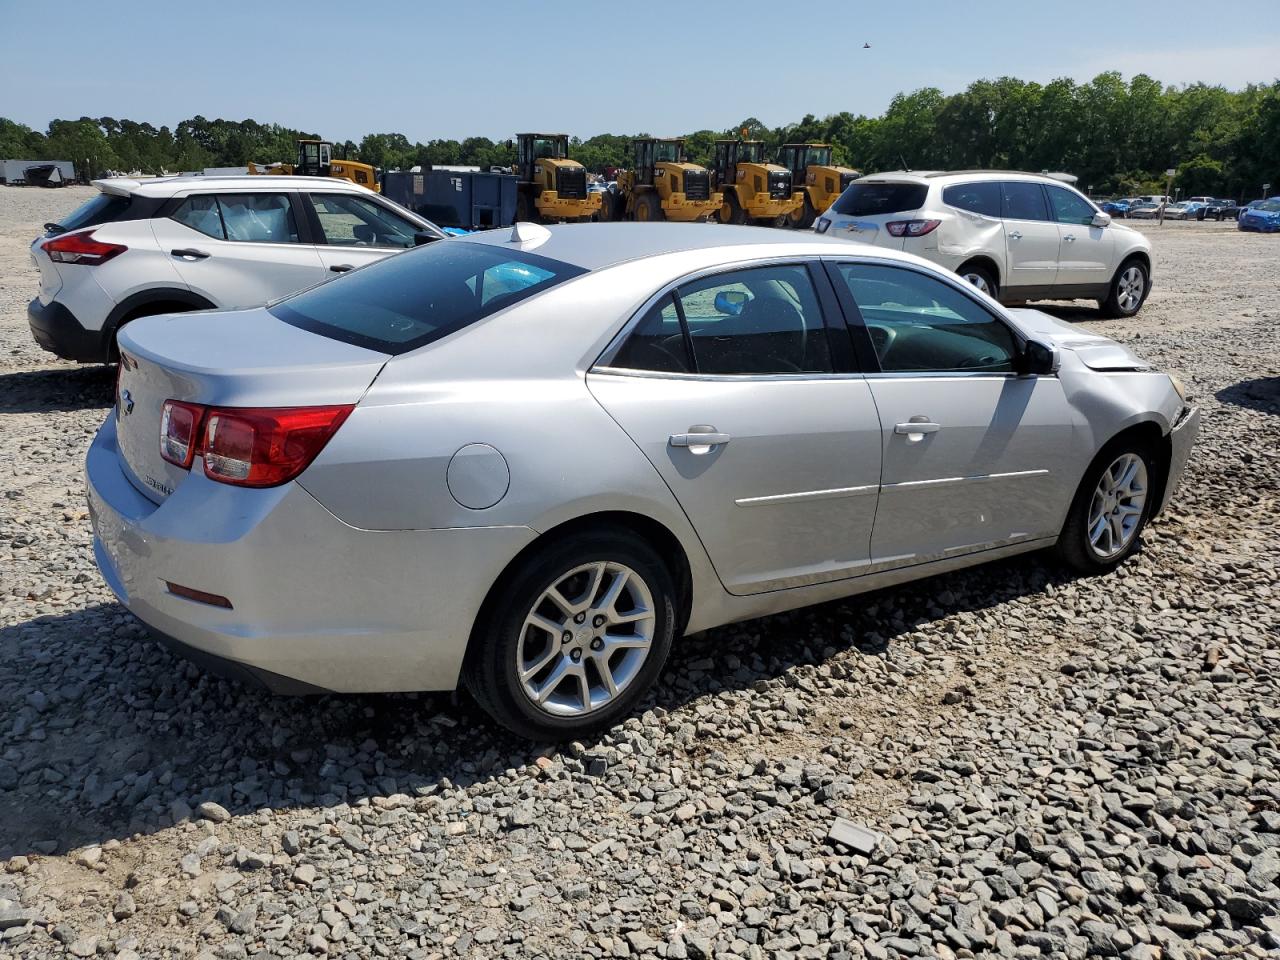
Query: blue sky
x,y
449,70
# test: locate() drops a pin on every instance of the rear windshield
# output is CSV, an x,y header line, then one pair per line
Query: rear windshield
x,y
104,208
863,199
410,299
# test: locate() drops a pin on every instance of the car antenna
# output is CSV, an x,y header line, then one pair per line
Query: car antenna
x,y
903,160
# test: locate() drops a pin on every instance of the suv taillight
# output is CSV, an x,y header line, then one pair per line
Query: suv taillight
x,y
248,446
911,228
82,248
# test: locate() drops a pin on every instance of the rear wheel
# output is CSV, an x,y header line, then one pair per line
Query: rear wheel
x,y
731,211
982,277
649,208
526,209
1128,290
802,217
574,637
1110,508
608,207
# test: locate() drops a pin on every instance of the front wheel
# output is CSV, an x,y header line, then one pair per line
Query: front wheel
x,y
1110,509
731,210
574,638
1128,290
802,217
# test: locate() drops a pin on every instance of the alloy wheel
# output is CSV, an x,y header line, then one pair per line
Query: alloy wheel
x,y
979,281
586,639
1118,502
1130,288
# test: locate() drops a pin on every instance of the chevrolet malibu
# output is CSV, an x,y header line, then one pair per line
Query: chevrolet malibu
x,y
529,461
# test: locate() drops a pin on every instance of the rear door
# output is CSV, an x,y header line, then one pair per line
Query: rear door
x,y
353,230
1085,253
240,249
1031,238
733,389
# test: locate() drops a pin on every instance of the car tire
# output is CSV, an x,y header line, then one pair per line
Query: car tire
x,y
649,208
513,654
1132,279
1102,529
981,277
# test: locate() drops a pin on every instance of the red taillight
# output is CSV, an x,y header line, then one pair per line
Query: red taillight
x,y
911,228
180,432
248,446
82,248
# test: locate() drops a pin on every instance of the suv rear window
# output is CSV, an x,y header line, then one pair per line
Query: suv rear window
x,y
863,199
104,208
410,299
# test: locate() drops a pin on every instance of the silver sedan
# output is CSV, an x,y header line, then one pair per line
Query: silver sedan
x,y
528,461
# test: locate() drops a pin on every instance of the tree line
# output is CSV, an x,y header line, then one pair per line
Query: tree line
x,y
1118,137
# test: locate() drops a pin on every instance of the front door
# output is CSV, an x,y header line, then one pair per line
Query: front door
x,y
727,386
1086,251
239,249
1031,238
975,455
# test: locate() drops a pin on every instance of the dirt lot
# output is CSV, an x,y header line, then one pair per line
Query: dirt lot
x,y
1058,767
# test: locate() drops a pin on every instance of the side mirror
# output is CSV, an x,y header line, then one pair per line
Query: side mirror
x,y
1040,358
421,237
731,302
1101,219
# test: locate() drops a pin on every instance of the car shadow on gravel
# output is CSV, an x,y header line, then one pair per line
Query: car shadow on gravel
x,y
108,735
1080,311
67,389
1260,394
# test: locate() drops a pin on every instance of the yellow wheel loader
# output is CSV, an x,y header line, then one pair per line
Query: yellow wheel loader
x,y
550,186
662,185
816,177
754,191
315,159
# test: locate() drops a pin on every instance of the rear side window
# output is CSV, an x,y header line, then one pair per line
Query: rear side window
x,y
1022,200
403,302
244,217
104,208
657,343
863,199
983,198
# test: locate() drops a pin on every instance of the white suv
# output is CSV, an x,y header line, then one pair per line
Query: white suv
x,y
1016,236
193,243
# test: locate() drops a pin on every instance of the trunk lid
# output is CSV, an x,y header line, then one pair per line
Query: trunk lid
x,y
245,358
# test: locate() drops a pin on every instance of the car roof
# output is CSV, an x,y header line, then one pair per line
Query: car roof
x,y
597,246
162,187
931,176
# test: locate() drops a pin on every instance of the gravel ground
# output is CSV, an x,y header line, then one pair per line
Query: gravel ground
x,y
1053,766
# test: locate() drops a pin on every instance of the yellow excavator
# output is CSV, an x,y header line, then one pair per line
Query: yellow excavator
x,y
662,185
315,159
754,190
817,177
550,186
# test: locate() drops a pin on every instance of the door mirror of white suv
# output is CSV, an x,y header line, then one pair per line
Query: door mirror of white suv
x,y
1101,219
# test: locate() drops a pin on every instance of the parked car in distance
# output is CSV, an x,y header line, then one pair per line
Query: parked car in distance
x,y
1222,210
1144,210
1117,208
529,461
1261,216
1016,236
1179,211
143,247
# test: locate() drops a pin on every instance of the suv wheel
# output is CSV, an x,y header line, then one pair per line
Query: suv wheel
x,y
982,278
575,638
1128,290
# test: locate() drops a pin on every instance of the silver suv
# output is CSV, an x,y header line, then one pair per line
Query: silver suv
x,y
1016,236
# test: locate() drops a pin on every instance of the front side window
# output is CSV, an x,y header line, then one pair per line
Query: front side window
x,y
981,197
758,321
350,221
258,217
404,302
920,324
1022,200
1070,207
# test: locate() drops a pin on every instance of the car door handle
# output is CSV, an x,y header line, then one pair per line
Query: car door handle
x,y
700,436
340,268
189,254
1070,238
914,430
1016,235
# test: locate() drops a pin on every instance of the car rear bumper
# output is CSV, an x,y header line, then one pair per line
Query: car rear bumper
x,y
316,604
1181,439
56,329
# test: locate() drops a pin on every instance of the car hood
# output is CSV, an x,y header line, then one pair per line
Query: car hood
x,y
1095,351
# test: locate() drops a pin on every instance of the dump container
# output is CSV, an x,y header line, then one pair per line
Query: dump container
x,y
474,201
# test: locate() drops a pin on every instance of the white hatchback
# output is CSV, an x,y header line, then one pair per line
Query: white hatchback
x,y
1016,236
145,247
